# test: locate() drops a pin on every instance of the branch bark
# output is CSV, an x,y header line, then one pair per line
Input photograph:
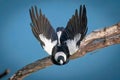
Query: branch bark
x,y
95,40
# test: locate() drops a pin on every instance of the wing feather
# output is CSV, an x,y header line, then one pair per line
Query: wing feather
x,y
42,29
75,30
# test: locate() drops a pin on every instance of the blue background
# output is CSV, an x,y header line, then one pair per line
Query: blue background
x,y
19,47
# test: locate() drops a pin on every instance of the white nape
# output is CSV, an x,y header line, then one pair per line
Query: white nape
x,y
72,44
60,54
49,44
59,35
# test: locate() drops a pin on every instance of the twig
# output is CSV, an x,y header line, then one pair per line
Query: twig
x,y
7,71
95,40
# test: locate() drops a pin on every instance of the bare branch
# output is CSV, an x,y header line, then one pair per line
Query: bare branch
x,y
95,40
7,71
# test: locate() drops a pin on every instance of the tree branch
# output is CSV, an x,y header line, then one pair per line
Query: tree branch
x,y
95,40
7,71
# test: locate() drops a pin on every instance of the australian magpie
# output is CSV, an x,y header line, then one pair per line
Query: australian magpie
x,y
63,42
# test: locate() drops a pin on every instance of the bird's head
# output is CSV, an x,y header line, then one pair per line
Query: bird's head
x,y
60,58
60,54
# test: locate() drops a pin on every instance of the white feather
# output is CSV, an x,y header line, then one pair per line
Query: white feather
x,y
48,44
59,35
72,44
60,54
61,62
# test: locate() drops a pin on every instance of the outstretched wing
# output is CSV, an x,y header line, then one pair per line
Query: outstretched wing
x,y
43,30
75,30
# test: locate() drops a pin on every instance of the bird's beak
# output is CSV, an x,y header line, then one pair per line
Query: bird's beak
x,y
61,62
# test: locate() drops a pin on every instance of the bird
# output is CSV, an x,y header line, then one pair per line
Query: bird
x,y
61,43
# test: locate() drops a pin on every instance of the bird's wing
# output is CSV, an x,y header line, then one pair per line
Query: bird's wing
x,y
43,30
75,30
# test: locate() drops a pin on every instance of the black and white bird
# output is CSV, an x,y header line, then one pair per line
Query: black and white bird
x,y
63,42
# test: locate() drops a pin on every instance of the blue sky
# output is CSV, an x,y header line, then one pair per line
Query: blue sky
x,y
19,46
